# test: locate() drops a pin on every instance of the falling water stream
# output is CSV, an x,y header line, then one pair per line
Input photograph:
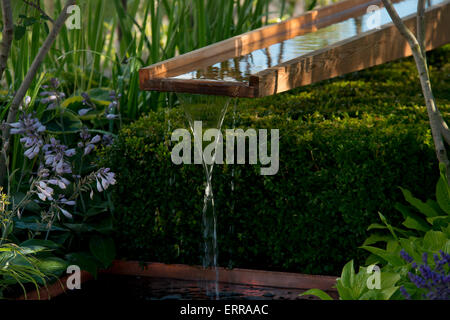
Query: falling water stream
x,y
211,111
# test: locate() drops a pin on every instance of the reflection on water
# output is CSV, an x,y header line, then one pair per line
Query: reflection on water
x,y
240,68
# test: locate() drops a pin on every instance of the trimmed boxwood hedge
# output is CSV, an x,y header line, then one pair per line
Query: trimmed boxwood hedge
x,y
345,147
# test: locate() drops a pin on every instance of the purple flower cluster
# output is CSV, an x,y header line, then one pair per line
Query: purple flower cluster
x,y
113,106
52,96
86,102
104,178
31,129
52,172
435,282
88,143
55,156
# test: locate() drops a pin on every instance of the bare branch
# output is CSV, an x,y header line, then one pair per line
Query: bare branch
x,y
20,94
436,120
421,27
8,29
38,8
404,31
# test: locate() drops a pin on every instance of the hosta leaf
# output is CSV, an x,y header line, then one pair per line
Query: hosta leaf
x,y
52,265
40,242
443,195
418,204
434,240
348,275
67,122
75,104
416,223
375,237
345,293
389,279
392,258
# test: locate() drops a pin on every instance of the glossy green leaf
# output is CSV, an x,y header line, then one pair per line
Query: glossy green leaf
x,y
434,240
66,121
391,258
348,274
443,195
418,204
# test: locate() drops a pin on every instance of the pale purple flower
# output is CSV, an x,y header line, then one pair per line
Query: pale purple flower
x,y
31,130
59,181
65,213
84,134
87,100
110,112
55,154
95,139
104,178
107,140
88,144
43,172
53,97
111,116
44,192
67,202
88,149
84,111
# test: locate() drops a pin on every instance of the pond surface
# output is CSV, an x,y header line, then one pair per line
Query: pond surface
x,y
240,68
113,287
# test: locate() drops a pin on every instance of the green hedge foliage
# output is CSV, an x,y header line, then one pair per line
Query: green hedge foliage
x,y
346,145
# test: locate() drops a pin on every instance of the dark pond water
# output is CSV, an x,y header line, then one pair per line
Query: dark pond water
x,y
113,287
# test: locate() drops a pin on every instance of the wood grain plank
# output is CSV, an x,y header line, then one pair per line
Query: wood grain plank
x,y
233,276
211,87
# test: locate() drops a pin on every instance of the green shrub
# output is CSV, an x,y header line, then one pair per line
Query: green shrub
x,y
345,147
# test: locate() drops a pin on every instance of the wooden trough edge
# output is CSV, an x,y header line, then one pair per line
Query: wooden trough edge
x,y
256,39
232,276
357,53
211,87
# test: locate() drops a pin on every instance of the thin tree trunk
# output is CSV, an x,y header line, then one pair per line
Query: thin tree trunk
x,y
421,28
418,48
8,28
20,94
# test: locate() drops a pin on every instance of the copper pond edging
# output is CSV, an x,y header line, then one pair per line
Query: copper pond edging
x,y
261,278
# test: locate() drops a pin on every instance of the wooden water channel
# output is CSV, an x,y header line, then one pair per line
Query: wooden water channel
x,y
215,69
